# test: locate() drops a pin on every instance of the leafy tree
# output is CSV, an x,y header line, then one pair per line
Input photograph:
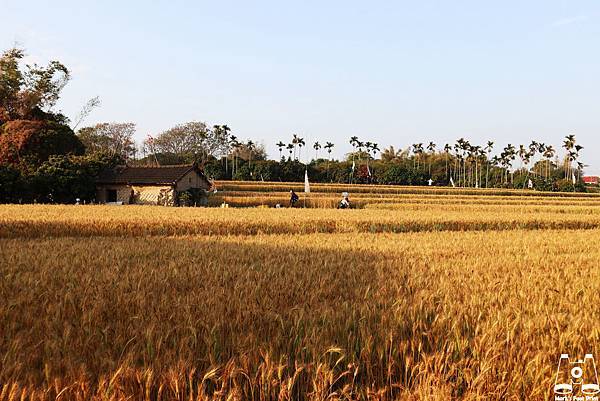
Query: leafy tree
x,y
395,174
31,92
114,139
192,197
12,185
268,170
228,139
251,151
63,178
390,154
26,143
213,170
242,173
193,140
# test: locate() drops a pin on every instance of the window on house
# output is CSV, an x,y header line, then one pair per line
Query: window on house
x,y
111,195
190,180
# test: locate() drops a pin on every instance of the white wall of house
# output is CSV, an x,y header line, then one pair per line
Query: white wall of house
x,y
192,180
123,193
154,195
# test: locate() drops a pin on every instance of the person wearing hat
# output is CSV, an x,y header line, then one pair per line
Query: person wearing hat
x,y
345,202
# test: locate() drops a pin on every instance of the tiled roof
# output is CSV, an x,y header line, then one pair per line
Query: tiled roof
x,y
145,175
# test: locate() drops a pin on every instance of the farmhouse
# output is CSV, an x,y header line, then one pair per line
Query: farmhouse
x,y
591,180
150,185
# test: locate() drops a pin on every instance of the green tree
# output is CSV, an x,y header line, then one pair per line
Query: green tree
x,y
63,179
12,185
193,140
30,93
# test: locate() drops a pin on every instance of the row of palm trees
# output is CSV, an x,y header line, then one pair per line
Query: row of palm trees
x,y
466,164
370,147
234,147
295,148
469,160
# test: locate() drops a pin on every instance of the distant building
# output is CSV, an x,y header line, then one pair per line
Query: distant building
x,y
149,185
591,180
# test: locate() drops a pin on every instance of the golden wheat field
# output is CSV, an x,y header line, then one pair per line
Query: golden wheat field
x,y
416,296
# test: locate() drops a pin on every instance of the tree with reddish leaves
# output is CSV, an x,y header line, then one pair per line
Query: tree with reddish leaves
x,y
26,144
30,131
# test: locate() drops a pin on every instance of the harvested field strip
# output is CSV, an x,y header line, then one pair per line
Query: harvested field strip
x,y
418,197
361,200
338,188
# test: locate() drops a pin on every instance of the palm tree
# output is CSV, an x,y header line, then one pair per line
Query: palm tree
x,y
476,154
568,145
291,148
280,145
466,149
549,154
354,142
374,149
527,160
457,162
522,153
295,142
316,147
461,149
300,144
496,160
250,146
573,156
367,146
431,149
223,131
328,146
447,149
233,142
529,157
541,149
360,145
488,150
417,151
580,167
508,156
533,149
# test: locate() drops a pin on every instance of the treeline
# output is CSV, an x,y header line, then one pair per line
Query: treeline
x,y
399,171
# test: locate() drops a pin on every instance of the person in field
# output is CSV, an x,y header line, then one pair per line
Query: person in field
x,y
344,203
293,198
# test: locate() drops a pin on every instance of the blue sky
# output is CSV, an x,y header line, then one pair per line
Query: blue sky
x,y
394,72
